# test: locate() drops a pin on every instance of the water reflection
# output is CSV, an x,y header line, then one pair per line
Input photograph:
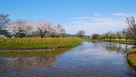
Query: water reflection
x,y
22,63
114,47
119,49
3,66
122,50
26,64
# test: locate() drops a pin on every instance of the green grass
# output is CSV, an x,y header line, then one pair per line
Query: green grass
x,y
131,56
37,43
86,38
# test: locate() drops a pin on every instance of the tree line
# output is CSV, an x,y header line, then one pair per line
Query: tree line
x,y
22,28
43,28
128,33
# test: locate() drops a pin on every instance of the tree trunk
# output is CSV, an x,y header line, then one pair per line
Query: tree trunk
x,y
22,35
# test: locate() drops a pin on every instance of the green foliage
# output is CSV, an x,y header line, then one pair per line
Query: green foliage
x,y
34,43
4,32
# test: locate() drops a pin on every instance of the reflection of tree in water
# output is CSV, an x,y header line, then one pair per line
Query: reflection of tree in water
x,y
43,63
3,67
21,62
121,49
113,47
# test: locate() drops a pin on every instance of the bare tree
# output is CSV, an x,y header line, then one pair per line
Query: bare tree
x,y
80,33
20,28
95,36
132,27
4,20
126,34
61,30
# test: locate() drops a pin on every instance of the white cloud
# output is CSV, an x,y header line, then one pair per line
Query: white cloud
x,y
97,24
119,14
123,14
95,27
79,18
96,14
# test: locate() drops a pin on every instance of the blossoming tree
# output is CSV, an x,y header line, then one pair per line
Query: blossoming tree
x,y
20,28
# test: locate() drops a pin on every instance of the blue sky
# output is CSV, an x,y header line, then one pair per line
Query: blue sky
x,y
92,16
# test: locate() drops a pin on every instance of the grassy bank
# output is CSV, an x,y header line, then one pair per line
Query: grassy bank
x,y
37,43
131,56
122,41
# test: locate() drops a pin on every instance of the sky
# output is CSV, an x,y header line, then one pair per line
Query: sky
x,y
92,16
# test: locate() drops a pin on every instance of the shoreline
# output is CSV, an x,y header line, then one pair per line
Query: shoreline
x,y
131,57
115,41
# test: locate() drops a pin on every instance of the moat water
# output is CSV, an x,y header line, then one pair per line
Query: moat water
x,y
90,59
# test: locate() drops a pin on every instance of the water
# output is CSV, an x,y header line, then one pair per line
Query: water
x,y
90,59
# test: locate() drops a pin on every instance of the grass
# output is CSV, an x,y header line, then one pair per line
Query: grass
x,y
37,43
86,38
131,56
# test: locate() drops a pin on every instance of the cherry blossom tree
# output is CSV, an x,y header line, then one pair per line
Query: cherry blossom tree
x,y
2,36
54,32
20,28
42,28
111,35
103,36
119,34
